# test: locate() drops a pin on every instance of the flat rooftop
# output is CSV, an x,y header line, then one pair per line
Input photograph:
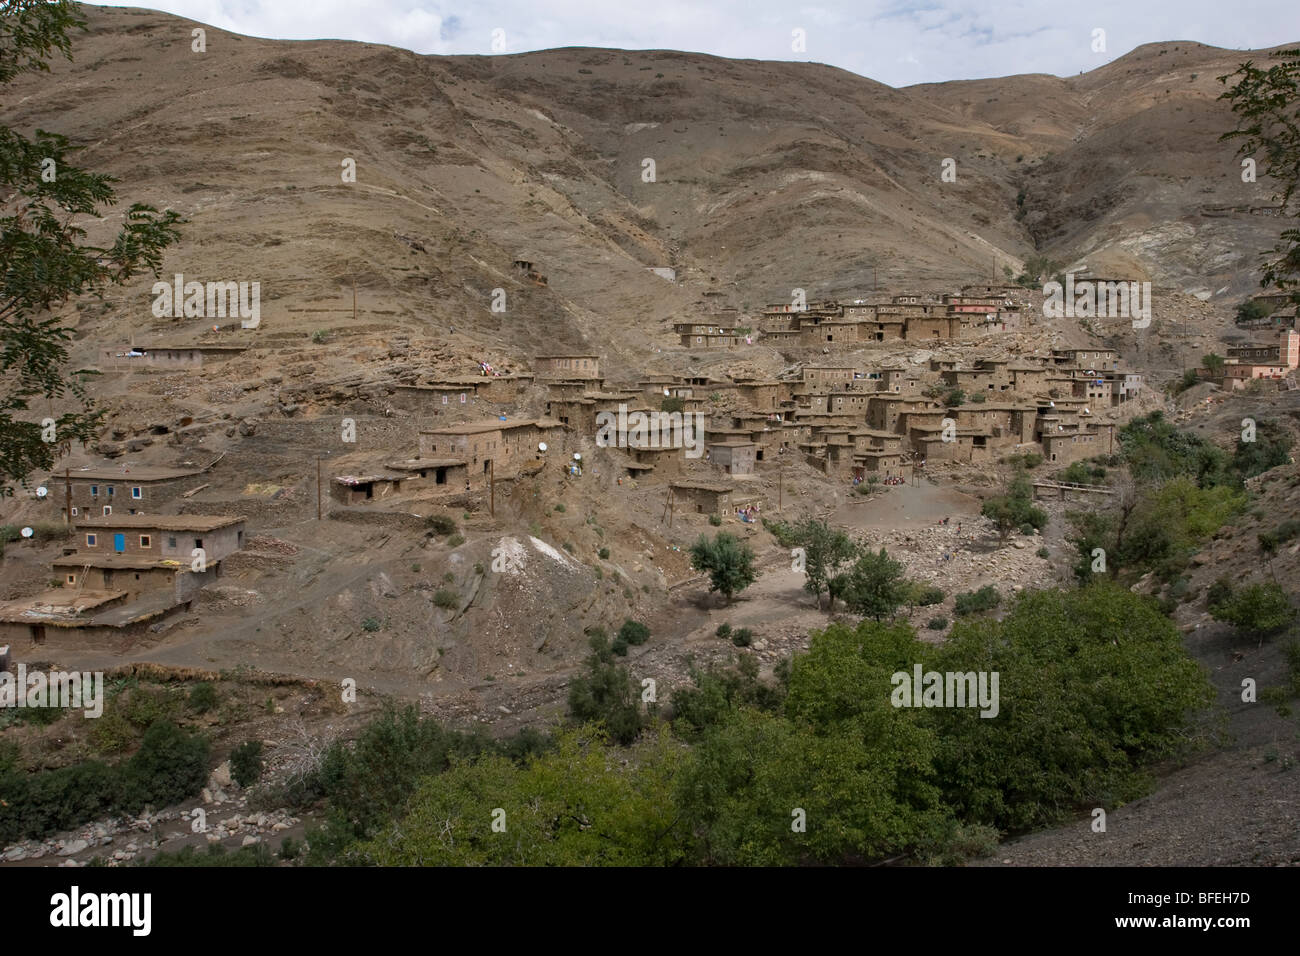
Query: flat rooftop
x,y
491,425
127,475
163,522
125,562
57,604
703,485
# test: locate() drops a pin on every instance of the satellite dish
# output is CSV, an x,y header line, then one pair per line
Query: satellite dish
x,y
665,391
27,532
42,491
541,446
577,457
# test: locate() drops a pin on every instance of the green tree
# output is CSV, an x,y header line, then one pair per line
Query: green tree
x,y
826,551
606,693
1271,447
1014,509
1214,364
1259,609
45,200
874,586
728,562
1268,125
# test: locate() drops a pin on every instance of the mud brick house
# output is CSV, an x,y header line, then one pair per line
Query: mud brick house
x,y
507,443
818,379
166,356
1124,386
578,414
1027,378
357,489
1285,352
449,472
733,457
101,491
968,445
432,398
1066,445
703,497
708,334
761,394
139,578
161,537
883,410
566,368
1095,359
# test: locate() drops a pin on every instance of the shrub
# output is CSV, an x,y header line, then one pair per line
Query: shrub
x,y
605,693
723,631
742,637
560,507
370,625
603,554
937,623
619,646
728,562
634,632
319,336
170,766
440,524
930,595
1256,608
568,546
455,541
715,520
203,697
446,599
972,602
1044,553
246,762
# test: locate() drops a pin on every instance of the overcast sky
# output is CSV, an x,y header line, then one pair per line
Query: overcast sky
x,y
898,42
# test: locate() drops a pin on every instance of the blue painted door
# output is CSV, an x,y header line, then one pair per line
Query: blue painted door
x,y
119,543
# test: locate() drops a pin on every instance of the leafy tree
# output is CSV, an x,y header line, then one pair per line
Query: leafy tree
x,y
1266,102
1014,509
246,762
47,263
606,693
728,562
1251,309
874,587
826,550
1214,364
1157,451
1271,447
1258,609
718,692
1094,685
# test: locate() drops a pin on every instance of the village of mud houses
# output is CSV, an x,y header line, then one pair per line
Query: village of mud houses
x,y
500,439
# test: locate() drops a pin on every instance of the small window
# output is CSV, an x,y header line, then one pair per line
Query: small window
x,y
72,579
145,540
74,512
90,540
171,541
94,491
135,492
110,491
198,542
108,509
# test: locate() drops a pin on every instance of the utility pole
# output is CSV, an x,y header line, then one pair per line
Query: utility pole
x,y
354,298
67,485
492,487
318,487
780,486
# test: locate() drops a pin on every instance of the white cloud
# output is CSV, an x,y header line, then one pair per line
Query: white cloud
x,y
895,42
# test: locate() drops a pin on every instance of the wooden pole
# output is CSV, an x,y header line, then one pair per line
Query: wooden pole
x,y
354,297
780,487
67,485
492,487
318,487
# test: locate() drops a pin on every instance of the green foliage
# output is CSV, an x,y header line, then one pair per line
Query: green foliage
x,y
1270,541
370,624
320,337
826,551
783,531
672,403
715,520
728,562
1094,685
575,806
1043,553
724,630
456,540
874,587
974,602
603,554
1271,447
1252,309
1014,509
47,262
717,693
1265,102
1083,473
742,637
440,524
1258,608
215,855
170,766
1026,462
203,697
560,507
937,623
1156,451
634,632
955,398
446,599
246,762
606,694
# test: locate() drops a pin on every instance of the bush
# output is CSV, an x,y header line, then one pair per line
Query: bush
x,y
742,637
320,336
634,632
1043,553
972,602
246,762
930,595
728,562
560,507
605,693
619,646
723,631
446,599
455,541
203,697
1259,609
440,524
603,554
937,623
715,520
370,625
170,766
